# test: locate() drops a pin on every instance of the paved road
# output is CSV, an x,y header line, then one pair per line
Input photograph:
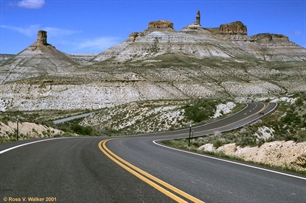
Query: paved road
x,y
77,170
72,118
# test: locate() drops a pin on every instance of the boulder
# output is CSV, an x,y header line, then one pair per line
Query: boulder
x,y
233,28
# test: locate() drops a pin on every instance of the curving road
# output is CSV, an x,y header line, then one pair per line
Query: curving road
x,y
134,169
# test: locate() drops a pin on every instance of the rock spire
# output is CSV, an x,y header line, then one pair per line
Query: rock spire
x,y
198,18
196,26
42,37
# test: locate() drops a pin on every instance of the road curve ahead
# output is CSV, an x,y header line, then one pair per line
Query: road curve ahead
x,y
134,169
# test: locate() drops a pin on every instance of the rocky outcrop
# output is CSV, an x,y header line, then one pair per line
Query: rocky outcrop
x,y
268,38
42,37
132,37
41,41
161,24
233,28
28,130
278,47
278,153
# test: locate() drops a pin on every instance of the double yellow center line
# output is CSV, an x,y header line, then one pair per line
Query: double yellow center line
x,y
167,189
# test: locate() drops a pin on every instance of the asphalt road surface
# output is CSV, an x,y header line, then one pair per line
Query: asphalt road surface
x,y
139,169
72,118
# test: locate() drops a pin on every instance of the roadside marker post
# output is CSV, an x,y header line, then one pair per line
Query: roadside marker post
x,y
189,135
17,119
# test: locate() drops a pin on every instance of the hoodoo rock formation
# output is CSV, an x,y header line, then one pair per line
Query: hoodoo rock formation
x,y
41,41
40,58
42,37
198,18
196,25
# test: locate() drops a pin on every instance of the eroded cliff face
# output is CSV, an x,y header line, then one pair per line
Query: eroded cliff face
x,y
157,63
109,87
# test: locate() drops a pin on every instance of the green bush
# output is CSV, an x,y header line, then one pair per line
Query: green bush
x,y
246,141
217,143
81,129
200,110
299,102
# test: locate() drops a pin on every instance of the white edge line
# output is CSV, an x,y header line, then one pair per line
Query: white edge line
x,y
224,160
28,143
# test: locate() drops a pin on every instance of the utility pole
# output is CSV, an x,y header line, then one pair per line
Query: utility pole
x,y
189,135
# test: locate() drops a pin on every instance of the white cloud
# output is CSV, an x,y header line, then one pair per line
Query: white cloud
x,y
33,4
28,31
296,33
32,30
53,31
98,44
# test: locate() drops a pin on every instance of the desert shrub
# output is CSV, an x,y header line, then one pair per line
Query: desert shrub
x,y
217,143
82,130
246,141
200,110
299,102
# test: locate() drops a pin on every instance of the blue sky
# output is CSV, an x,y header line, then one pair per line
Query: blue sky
x,y
91,26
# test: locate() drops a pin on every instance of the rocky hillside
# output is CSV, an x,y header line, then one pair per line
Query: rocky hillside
x,y
227,41
158,63
40,58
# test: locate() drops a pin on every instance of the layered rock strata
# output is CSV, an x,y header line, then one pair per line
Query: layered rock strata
x,y
157,63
